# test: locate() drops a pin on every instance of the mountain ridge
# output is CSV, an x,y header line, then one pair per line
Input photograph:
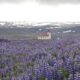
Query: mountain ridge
x,y
40,24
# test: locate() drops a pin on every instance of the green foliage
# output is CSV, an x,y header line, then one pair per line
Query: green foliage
x,y
0,75
33,73
42,78
65,73
7,74
0,65
15,68
54,55
30,64
49,49
15,73
14,57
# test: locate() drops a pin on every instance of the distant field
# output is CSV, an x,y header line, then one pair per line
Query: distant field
x,y
32,33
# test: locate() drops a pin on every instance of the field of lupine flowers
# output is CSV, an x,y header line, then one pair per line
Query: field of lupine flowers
x,y
40,60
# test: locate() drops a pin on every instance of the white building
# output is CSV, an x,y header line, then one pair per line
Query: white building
x,y
44,36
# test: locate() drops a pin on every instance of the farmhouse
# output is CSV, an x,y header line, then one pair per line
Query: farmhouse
x,y
44,35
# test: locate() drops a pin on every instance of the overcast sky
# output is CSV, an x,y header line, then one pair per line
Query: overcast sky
x,y
40,10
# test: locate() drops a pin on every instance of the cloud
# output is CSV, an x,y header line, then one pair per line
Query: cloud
x,y
43,1
12,1
58,1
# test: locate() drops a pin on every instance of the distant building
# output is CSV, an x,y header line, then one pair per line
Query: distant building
x,y
44,36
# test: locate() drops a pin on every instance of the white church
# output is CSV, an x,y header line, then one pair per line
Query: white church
x,y
44,36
